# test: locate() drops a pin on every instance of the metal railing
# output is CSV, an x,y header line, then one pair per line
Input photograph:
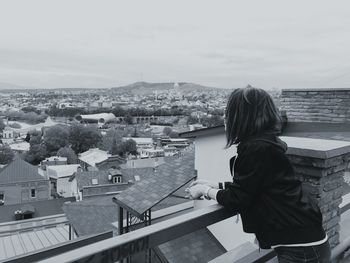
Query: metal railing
x,y
117,248
120,247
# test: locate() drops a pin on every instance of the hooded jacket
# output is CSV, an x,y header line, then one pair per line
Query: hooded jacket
x,y
269,197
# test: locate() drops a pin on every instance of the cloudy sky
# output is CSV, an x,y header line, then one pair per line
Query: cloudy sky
x,y
101,43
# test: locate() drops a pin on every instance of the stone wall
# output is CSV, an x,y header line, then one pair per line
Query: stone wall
x,y
316,105
321,173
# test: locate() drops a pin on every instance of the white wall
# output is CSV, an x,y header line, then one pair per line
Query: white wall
x,y
212,163
63,187
212,160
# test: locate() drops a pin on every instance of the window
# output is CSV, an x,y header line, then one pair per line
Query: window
x,y
2,202
32,193
117,179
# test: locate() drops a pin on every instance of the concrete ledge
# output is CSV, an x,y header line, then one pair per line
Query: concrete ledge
x,y
317,127
318,90
316,148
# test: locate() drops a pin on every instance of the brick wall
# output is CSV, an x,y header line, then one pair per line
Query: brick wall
x,y
322,175
316,105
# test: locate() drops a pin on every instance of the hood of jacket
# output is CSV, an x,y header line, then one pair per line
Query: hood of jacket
x,y
272,139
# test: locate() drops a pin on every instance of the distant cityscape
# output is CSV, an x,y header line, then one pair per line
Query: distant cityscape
x,y
65,152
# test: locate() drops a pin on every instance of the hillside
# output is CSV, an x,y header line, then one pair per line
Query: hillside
x,y
146,88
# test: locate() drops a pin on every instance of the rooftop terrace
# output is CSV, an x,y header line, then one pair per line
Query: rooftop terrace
x,y
323,161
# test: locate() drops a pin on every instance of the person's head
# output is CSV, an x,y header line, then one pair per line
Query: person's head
x,y
250,112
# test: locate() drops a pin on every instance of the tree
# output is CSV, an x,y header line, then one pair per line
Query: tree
x,y
35,137
55,138
2,125
192,120
130,146
214,120
112,136
27,139
15,125
128,119
122,148
37,151
117,148
68,152
167,131
118,111
30,109
174,134
82,138
6,154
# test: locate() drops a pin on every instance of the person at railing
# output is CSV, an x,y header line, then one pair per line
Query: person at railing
x,y
265,190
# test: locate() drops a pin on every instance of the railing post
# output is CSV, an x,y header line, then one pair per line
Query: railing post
x,y
320,165
120,222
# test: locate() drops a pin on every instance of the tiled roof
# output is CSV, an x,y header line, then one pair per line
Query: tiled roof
x,y
85,178
103,190
199,246
19,171
142,163
130,173
42,208
150,191
169,201
92,216
112,161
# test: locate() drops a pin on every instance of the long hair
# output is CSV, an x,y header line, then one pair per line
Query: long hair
x,y
250,112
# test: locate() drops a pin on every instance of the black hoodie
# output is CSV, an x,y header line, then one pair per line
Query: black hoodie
x,y
269,197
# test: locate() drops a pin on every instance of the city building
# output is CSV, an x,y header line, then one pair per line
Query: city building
x,y
28,228
21,182
92,157
60,179
53,160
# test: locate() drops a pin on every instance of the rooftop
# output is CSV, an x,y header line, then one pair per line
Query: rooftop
x,y
198,246
20,146
92,216
29,241
168,178
42,208
59,171
98,116
19,171
140,163
93,156
56,158
85,178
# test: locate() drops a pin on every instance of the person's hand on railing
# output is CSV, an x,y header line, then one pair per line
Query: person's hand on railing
x,y
197,191
211,184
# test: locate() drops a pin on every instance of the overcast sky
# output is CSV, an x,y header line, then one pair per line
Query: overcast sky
x,y
100,43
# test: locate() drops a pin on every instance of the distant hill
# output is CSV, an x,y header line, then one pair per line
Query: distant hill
x,y
12,87
146,88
